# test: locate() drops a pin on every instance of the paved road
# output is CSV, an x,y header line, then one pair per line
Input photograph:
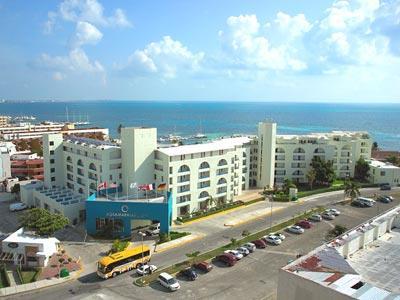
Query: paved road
x,y
230,283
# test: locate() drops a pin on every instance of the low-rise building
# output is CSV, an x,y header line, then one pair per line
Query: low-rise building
x,y
381,173
5,163
4,120
359,264
27,168
26,249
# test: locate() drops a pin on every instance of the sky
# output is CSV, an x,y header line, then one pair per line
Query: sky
x,y
225,50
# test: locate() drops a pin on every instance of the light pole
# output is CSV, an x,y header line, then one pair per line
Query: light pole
x,y
142,235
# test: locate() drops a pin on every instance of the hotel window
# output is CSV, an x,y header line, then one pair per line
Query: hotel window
x,y
170,170
203,154
53,179
51,143
52,170
52,161
120,176
111,178
155,176
383,173
51,152
64,148
221,152
170,180
182,157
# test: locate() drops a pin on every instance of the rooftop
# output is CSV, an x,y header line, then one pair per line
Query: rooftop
x,y
221,144
22,237
90,142
135,196
62,195
325,135
381,164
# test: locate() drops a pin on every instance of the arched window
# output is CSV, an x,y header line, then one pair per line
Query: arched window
x,y
299,150
204,194
184,168
319,150
92,166
204,165
222,181
92,186
279,150
79,162
69,159
222,162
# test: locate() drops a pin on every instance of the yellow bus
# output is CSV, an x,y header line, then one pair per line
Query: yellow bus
x,y
114,264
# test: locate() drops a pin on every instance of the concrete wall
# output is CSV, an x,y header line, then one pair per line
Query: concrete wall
x,y
381,175
53,160
266,154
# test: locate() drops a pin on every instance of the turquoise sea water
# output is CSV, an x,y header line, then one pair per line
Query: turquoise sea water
x,y
222,118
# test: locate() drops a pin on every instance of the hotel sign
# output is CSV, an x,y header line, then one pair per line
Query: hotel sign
x,y
123,213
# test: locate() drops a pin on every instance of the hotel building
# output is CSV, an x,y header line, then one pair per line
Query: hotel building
x,y
221,169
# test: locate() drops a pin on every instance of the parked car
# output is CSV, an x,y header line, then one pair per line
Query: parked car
x,y
260,244
250,246
227,258
296,229
389,197
383,199
18,206
280,235
358,203
385,187
304,224
272,239
328,216
153,229
243,250
236,253
146,269
169,282
367,201
189,273
204,266
333,211
316,218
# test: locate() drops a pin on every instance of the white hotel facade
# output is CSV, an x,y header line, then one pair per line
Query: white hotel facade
x,y
222,169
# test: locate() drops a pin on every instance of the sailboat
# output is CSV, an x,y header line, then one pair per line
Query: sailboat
x,y
200,135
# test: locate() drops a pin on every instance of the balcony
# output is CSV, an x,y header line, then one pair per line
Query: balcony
x,y
202,185
280,165
184,178
184,188
345,154
205,174
279,157
298,165
222,190
299,157
280,172
222,171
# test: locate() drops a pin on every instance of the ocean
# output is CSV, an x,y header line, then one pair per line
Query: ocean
x,y
215,119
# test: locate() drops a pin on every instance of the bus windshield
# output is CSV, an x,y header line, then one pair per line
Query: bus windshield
x,y
101,268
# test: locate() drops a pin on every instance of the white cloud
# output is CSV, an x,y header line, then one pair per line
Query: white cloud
x,y
339,41
75,62
86,33
248,47
166,58
90,11
295,26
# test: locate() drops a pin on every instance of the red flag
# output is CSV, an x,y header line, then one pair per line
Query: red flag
x,y
102,185
162,187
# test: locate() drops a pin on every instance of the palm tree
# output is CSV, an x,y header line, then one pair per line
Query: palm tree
x,y
351,189
311,176
210,202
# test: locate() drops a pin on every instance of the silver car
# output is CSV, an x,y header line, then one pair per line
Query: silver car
x,y
316,218
296,229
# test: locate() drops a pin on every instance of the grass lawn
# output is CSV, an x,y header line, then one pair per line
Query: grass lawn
x,y
28,276
173,235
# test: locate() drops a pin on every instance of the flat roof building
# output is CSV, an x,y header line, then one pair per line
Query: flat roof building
x,y
362,263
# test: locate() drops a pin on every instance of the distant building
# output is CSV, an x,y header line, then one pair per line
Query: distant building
x,y
28,168
383,155
381,172
360,264
4,120
5,164
32,131
27,249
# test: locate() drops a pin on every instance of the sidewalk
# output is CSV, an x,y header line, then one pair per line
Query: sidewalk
x,y
179,242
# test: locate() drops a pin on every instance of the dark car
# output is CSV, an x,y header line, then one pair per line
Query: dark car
x,y
304,224
384,199
227,258
260,244
357,203
385,187
189,273
204,266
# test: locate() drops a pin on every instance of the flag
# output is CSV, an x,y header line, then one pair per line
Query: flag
x,y
145,187
102,186
113,185
133,185
162,187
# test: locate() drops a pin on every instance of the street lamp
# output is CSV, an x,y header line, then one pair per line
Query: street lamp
x,y
142,234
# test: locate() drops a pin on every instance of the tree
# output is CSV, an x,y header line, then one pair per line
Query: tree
x,y
287,184
324,173
393,159
351,189
335,232
361,170
311,175
42,221
192,256
375,146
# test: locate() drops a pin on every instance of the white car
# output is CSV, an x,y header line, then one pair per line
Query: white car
x,y
328,216
18,206
236,253
333,211
243,250
250,246
281,236
316,218
272,239
169,282
146,269
153,229
296,229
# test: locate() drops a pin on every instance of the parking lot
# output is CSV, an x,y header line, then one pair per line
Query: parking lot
x,y
8,220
